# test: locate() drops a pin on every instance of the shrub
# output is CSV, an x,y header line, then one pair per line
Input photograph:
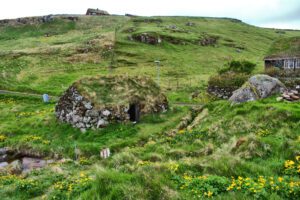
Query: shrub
x,y
202,186
29,187
282,73
230,80
71,187
238,67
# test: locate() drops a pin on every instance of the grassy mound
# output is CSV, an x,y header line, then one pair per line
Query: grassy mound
x,y
118,90
285,47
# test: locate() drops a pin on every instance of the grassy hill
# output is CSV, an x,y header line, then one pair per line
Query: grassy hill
x,y
212,151
32,62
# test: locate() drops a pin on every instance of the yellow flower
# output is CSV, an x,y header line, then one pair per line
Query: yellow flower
x,y
181,131
187,177
280,179
2,138
289,164
208,194
173,167
82,174
46,142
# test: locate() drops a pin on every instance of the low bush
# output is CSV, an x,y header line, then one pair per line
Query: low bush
x,y
229,80
29,187
238,67
282,73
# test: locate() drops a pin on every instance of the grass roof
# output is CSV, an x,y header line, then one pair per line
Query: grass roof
x,y
285,47
117,90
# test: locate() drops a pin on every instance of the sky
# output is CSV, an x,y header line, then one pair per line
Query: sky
x,y
264,13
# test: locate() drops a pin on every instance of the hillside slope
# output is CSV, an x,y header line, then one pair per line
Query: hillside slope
x,y
47,58
216,150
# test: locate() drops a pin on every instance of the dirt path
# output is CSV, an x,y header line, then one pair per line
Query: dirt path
x,y
25,94
187,104
56,98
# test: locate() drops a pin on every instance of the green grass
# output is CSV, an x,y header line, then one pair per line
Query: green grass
x,y
152,159
285,47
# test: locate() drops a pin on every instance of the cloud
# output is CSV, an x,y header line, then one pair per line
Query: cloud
x,y
290,15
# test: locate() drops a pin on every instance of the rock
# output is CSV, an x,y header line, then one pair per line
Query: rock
x,y
279,99
15,167
83,130
3,151
106,113
87,105
223,93
285,95
172,27
266,85
76,119
147,38
92,113
243,95
190,24
3,157
294,97
80,125
48,18
208,41
86,120
257,87
295,92
30,164
3,164
101,123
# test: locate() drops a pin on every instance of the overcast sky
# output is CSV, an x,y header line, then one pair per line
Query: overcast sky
x,y
266,13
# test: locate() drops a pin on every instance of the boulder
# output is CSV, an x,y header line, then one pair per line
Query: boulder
x,y
15,167
266,85
148,38
257,87
3,164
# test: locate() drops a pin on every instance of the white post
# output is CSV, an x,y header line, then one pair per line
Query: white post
x,y
158,71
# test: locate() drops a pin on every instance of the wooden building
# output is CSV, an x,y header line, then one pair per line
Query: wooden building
x,y
284,54
283,62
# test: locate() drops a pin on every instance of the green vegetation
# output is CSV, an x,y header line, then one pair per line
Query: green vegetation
x,y
117,90
238,67
285,47
219,151
232,76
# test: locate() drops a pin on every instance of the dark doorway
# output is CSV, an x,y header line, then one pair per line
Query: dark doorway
x,y
134,112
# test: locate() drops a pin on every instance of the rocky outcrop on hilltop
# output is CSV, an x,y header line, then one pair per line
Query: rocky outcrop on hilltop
x,y
36,20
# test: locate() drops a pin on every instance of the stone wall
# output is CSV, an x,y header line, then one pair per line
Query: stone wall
x,y
222,93
80,112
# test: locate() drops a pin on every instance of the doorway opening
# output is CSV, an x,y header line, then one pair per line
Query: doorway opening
x,y
134,112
